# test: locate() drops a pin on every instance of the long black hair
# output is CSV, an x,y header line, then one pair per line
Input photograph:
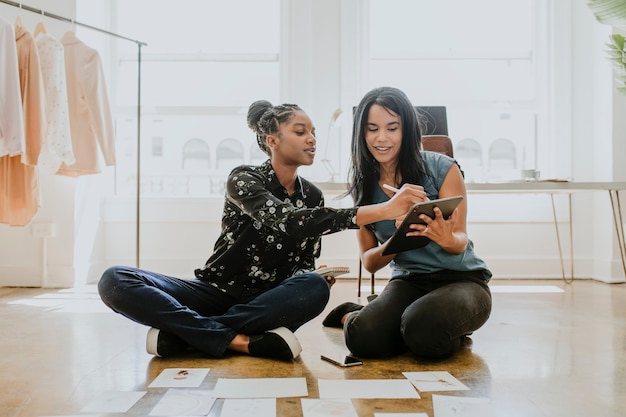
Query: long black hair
x,y
265,119
364,171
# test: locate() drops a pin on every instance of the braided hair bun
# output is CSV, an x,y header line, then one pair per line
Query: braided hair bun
x,y
265,119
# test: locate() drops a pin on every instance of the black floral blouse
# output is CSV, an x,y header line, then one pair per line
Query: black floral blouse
x,y
268,235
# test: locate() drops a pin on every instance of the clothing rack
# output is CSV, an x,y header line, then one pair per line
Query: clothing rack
x,y
139,45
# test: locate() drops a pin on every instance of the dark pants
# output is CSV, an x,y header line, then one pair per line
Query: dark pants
x,y
429,317
204,316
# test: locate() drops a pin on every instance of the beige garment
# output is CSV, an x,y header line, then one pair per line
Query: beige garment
x,y
12,140
91,123
57,144
19,178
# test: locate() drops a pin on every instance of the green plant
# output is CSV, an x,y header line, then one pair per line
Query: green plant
x,y
617,55
613,12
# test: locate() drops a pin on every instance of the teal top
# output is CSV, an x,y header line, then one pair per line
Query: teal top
x,y
430,258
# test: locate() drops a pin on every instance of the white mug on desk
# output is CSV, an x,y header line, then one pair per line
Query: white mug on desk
x,y
530,174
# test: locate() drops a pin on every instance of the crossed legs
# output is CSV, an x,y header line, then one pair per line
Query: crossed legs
x,y
203,316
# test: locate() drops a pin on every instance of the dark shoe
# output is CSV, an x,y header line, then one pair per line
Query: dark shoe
x,y
466,341
371,297
333,319
162,344
278,343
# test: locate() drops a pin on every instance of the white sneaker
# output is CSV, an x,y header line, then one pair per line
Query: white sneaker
x,y
160,343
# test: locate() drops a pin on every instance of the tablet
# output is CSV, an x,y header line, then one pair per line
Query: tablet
x,y
400,242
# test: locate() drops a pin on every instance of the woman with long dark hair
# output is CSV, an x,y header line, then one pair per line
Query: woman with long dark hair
x,y
438,294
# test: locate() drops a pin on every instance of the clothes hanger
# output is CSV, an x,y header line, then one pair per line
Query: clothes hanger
x,y
18,19
40,28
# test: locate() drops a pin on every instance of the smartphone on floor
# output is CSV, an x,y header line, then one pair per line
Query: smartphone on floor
x,y
342,360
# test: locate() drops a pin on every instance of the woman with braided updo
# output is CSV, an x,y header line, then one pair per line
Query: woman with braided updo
x,y
257,287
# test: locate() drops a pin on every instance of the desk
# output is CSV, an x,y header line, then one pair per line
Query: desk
x,y
543,187
560,187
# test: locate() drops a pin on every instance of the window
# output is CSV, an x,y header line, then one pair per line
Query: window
x,y
204,64
480,59
157,146
485,61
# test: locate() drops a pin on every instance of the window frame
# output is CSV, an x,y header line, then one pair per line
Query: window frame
x,y
553,114
123,113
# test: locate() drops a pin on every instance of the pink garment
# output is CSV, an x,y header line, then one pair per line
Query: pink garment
x,y
12,141
19,191
19,199
91,124
33,94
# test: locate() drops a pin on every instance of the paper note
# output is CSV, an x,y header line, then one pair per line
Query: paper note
x,y
338,407
180,378
113,402
260,388
257,407
435,381
366,388
451,406
179,402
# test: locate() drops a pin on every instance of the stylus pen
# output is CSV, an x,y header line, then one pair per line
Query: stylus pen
x,y
390,188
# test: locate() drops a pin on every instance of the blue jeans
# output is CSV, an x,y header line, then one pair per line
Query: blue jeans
x,y
204,316
430,316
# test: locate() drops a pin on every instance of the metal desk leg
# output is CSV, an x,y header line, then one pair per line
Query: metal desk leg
x,y
619,225
571,235
359,276
558,238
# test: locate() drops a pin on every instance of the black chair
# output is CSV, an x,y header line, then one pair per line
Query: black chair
x,y
433,120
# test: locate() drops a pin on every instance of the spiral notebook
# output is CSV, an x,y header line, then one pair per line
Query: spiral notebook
x,y
333,271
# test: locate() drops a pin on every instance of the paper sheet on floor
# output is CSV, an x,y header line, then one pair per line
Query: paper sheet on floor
x,y
366,388
180,378
338,407
113,402
260,387
451,406
184,402
435,381
400,414
257,407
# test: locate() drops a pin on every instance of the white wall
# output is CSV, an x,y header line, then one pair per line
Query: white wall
x,y
177,235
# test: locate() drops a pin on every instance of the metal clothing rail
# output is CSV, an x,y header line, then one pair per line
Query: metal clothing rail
x,y
139,45
68,20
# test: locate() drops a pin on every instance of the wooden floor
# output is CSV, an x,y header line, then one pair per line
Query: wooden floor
x,y
547,354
